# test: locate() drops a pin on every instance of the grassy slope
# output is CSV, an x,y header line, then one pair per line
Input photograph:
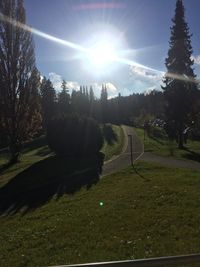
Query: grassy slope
x,y
36,154
116,147
27,159
42,151
160,146
155,214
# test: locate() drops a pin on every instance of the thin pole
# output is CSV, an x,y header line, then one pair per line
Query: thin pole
x,y
131,145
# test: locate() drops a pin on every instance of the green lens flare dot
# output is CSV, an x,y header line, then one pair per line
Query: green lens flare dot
x,y
101,203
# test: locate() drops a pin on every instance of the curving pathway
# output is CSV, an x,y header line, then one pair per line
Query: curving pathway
x,y
124,159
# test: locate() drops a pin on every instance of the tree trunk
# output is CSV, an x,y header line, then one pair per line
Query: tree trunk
x,y
14,153
180,139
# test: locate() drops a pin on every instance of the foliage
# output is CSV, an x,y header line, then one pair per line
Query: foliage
x,y
113,140
19,79
180,89
74,136
48,100
64,99
104,104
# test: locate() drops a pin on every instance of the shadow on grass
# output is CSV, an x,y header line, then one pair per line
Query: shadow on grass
x,y
191,155
43,151
51,177
148,150
36,143
157,140
5,167
139,173
109,135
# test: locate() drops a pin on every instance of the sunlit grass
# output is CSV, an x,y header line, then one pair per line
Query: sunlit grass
x,y
154,214
160,145
111,150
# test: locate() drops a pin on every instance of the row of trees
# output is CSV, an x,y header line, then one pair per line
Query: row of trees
x,y
28,103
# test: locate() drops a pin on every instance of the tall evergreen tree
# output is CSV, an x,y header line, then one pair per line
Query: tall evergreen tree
x,y
91,95
104,103
64,98
17,64
180,84
48,95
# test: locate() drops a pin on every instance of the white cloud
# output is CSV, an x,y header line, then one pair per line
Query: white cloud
x,y
196,59
56,80
73,85
149,90
111,88
145,73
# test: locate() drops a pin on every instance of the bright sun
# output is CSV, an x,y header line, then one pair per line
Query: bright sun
x,y
102,54
103,50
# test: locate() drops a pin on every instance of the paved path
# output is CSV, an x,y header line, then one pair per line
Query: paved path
x,y
171,162
123,160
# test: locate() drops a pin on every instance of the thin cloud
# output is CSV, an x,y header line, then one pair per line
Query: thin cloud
x,y
145,73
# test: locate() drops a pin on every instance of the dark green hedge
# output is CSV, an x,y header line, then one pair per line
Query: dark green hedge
x,y
74,136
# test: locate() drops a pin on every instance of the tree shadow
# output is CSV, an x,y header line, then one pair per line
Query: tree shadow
x,y
5,167
36,143
156,139
51,177
191,155
139,174
109,135
43,151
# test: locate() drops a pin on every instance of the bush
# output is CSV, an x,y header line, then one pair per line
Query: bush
x,y
74,136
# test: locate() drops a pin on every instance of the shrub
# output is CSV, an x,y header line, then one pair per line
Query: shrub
x,y
74,136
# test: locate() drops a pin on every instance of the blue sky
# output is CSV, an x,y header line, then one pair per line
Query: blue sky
x,y
139,27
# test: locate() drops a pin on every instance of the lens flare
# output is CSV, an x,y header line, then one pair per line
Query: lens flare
x,y
100,55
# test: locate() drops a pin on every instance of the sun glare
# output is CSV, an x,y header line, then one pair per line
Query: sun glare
x,y
102,54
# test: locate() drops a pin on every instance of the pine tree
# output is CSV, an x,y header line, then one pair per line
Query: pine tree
x,y
91,95
64,99
104,103
180,84
48,99
17,64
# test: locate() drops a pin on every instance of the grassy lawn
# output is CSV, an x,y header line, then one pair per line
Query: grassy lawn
x,y
114,146
160,145
37,150
124,216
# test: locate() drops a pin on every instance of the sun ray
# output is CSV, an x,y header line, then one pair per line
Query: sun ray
x,y
107,54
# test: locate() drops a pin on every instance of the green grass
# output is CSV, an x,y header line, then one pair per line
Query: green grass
x,y
27,159
152,214
115,148
160,145
39,151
